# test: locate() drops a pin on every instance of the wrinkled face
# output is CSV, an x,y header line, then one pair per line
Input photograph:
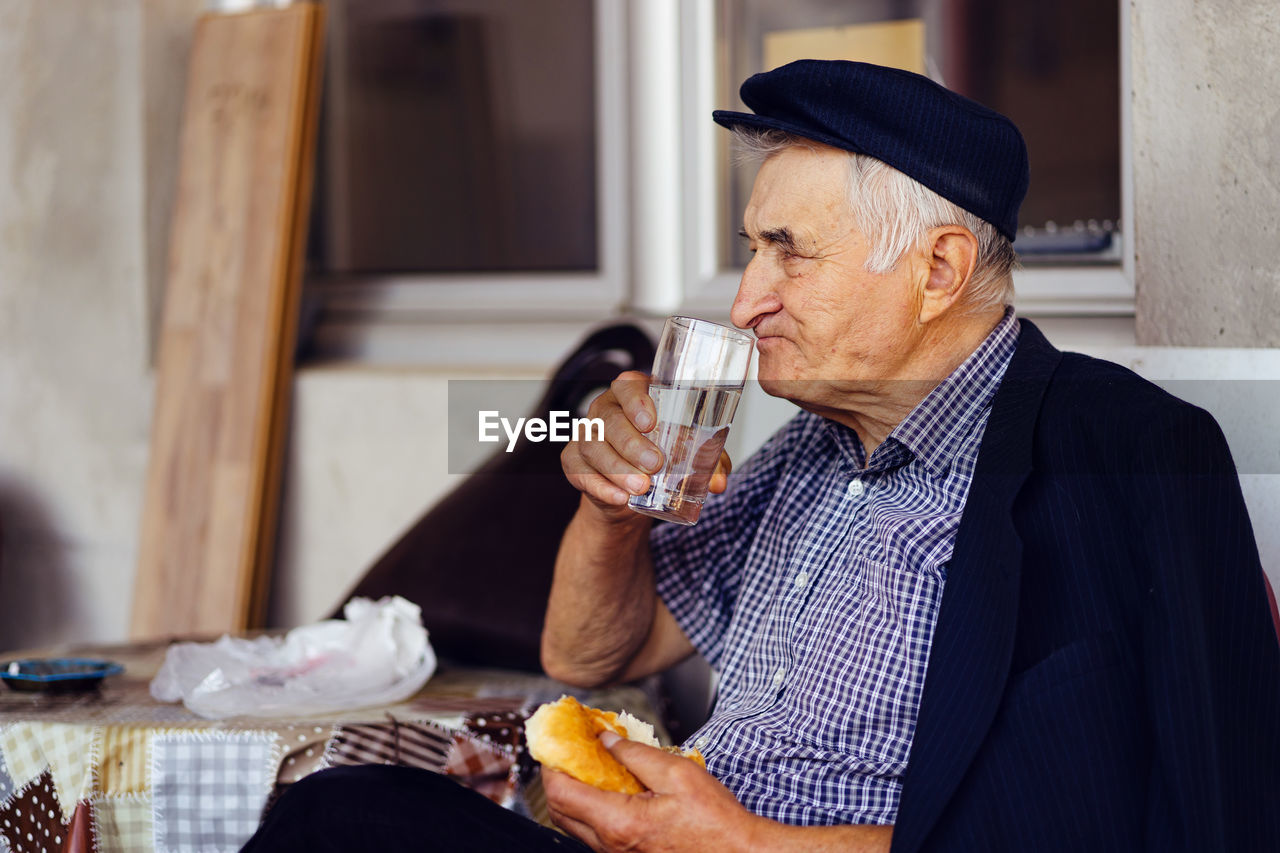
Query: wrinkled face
x,y
828,330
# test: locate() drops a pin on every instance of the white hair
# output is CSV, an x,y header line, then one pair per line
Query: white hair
x,y
895,212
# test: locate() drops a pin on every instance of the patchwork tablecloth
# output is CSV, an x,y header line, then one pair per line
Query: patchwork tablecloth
x,y
114,770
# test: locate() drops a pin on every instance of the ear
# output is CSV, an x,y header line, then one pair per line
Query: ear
x,y
951,252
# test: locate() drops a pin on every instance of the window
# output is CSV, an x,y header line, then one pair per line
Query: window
x,y
1056,68
470,171
458,136
1053,67
553,162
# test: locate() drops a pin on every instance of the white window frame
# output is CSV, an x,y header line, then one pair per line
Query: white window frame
x,y
1098,290
497,318
660,222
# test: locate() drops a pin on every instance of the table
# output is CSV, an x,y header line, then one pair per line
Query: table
x,y
114,770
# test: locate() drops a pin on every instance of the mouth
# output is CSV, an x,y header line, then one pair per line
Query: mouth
x,y
764,339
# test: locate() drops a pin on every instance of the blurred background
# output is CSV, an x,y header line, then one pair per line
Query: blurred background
x,y
495,179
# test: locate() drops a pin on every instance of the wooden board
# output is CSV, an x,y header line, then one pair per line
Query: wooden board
x,y
224,368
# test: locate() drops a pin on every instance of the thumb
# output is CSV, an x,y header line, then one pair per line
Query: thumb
x,y
652,766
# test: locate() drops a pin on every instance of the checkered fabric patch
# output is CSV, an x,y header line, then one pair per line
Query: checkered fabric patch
x,y
484,767
6,781
6,789
122,760
32,818
411,744
122,824
29,748
209,788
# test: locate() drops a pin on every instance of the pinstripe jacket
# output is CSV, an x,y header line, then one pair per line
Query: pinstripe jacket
x,y
1104,675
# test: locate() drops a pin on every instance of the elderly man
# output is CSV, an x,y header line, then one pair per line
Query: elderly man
x,y
980,594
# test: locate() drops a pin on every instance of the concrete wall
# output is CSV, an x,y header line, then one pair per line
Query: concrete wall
x,y
368,454
90,101
74,392
1206,123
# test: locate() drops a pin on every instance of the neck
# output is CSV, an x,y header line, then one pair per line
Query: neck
x,y
873,409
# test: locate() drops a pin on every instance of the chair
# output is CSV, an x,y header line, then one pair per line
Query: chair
x,y
479,563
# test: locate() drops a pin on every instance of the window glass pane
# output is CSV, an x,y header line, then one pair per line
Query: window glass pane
x,y
1053,67
457,136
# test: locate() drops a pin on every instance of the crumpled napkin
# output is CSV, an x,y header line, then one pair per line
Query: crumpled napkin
x,y
379,654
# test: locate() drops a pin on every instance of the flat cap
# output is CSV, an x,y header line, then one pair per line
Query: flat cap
x,y
963,151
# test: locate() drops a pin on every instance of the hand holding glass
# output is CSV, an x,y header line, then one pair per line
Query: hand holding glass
x,y
698,376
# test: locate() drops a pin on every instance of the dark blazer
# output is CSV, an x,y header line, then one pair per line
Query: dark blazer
x,y
1104,675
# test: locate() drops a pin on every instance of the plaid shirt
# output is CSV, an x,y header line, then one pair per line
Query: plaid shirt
x,y
812,587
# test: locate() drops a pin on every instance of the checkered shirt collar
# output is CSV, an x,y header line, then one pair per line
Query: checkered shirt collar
x,y
935,429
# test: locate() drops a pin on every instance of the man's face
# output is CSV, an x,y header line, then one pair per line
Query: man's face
x,y
828,330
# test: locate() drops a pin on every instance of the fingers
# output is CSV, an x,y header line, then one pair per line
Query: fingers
x,y
720,477
660,771
587,478
611,468
564,816
685,808
631,389
574,805
577,829
603,820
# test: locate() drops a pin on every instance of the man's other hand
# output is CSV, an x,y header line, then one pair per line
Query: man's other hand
x,y
609,472
685,809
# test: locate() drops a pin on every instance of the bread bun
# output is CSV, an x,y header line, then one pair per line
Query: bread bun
x,y
565,735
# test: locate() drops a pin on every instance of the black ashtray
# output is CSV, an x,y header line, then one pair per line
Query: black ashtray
x,y
56,674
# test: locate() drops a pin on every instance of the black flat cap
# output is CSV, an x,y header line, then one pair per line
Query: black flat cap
x,y
961,150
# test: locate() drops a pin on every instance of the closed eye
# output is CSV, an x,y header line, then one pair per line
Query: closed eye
x,y
782,238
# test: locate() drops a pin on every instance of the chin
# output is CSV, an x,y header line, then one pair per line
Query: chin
x,y
774,373
772,387
788,389
788,382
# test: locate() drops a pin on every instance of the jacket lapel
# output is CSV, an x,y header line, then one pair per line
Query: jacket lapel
x,y
973,639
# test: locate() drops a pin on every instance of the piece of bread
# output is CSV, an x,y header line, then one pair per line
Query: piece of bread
x,y
565,735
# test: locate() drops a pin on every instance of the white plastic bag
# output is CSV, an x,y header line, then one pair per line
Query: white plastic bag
x,y
378,655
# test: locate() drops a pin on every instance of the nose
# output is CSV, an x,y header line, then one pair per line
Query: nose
x,y
756,296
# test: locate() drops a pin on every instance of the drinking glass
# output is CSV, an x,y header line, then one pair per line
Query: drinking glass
x,y
698,375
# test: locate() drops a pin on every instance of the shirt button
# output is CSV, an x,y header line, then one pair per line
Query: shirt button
x,y
778,677
801,580
701,743
857,488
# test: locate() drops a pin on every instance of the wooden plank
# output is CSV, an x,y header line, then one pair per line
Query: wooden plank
x,y
224,369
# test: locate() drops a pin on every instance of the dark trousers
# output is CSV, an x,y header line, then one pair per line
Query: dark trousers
x,y
389,808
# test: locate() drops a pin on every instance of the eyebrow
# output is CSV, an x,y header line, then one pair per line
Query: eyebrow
x,y
781,237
